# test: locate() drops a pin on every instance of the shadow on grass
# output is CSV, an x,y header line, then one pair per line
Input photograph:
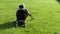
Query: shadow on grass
x,y
7,25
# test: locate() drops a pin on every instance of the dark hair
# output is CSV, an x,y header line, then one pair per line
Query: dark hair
x,y
21,6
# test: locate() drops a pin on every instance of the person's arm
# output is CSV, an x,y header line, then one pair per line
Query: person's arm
x,y
27,12
30,15
17,12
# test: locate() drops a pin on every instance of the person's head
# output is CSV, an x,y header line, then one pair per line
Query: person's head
x,y
21,6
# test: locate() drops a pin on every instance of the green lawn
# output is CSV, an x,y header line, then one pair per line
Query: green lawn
x,y
45,12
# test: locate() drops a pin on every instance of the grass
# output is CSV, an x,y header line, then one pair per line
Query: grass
x,y
45,12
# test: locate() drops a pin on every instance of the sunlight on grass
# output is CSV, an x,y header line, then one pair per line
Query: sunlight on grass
x,y
46,15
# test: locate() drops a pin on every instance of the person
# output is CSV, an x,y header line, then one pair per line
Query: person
x,y
21,15
58,1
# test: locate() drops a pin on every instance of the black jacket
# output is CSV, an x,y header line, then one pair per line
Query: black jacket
x,y
21,14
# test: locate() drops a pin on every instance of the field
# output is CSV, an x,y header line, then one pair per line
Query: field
x,y
46,15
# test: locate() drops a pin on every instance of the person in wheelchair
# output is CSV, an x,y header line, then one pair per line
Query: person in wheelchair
x,y
21,15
